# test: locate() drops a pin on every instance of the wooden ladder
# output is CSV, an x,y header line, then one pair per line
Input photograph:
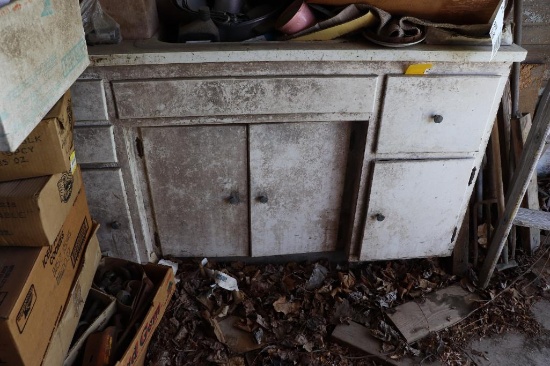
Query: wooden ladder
x,y
513,214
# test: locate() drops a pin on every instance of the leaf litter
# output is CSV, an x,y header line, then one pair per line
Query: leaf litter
x,y
290,310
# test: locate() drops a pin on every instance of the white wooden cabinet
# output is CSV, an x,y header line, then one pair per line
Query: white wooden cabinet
x,y
284,148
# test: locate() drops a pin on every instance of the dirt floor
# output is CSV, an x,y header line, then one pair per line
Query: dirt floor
x,y
284,314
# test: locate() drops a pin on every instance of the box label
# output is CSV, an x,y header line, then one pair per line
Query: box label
x,y
65,186
26,309
58,254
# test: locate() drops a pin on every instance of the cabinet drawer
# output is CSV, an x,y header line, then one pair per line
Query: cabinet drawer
x,y
89,102
413,208
245,96
436,113
94,144
109,207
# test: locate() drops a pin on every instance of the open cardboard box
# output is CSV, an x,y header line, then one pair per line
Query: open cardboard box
x,y
134,354
63,334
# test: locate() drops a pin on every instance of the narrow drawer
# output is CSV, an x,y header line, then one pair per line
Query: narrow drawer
x,y
246,96
108,206
436,113
94,144
89,102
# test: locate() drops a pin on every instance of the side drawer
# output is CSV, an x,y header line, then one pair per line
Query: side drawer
x,y
94,144
108,206
436,113
246,96
89,102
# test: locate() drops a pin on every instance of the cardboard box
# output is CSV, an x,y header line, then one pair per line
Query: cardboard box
x,y
47,150
63,334
43,52
33,210
163,278
34,286
99,323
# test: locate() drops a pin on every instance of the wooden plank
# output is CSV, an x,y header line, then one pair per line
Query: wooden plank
x,y
440,310
520,182
532,219
530,236
359,337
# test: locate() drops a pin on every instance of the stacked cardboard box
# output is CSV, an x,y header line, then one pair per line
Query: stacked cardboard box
x,y
45,232
49,254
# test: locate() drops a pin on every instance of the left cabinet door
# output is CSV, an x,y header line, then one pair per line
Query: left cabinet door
x,y
198,182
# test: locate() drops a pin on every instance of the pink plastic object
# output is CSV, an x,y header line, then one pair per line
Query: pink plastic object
x,y
295,18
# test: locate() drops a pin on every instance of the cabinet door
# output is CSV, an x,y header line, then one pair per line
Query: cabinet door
x,y
413,208
199,189
108,205
296,181
436,113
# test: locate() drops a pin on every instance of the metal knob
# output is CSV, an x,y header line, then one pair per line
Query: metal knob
x,y
234,199
263,199
438,118
115,225
379,217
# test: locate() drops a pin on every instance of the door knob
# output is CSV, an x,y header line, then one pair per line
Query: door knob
x,y
437,118
115,225
234,199
379,217
263,199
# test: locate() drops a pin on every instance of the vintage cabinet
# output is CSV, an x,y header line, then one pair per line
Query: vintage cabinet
x,y
273,149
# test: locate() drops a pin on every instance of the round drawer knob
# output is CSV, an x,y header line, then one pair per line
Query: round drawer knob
x,y
379,217
263,199
438,118
115,225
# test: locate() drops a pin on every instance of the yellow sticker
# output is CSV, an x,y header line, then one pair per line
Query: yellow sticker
x,y
418,69
72,159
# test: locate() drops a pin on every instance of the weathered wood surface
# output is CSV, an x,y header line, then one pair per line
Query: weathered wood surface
x,y
358,336
420,214
410,103
245,96
108,205
94,145
192,173
440,310
532,219
520,182
89,103
301,168
530,236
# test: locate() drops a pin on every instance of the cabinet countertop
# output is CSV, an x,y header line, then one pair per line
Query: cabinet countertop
x,y
155,52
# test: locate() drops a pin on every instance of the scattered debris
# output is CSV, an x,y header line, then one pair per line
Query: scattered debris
x,y
301,313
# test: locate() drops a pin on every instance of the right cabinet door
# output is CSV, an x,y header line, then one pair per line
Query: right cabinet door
x,y
430,114
297,173
414,207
